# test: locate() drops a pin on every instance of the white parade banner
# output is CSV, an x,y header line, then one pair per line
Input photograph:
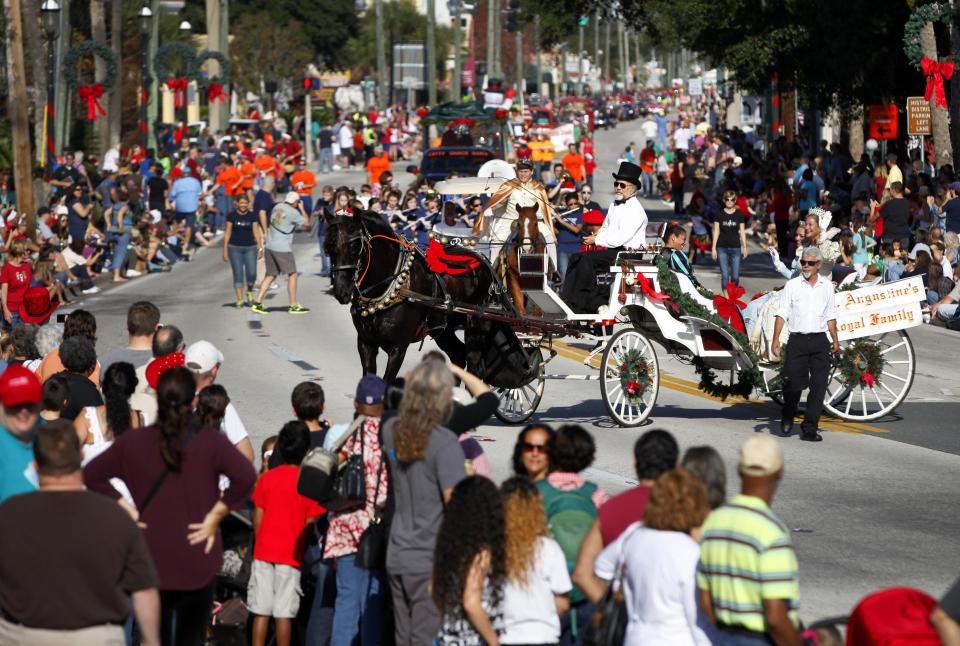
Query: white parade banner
x,y
561,137
880,308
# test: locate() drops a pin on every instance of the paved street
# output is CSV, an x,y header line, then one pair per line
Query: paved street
x,y
874,505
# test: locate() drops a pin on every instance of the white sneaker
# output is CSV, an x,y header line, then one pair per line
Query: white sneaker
x,y
275,286
92,290
133,273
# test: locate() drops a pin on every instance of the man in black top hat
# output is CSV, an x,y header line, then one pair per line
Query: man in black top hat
x,y
625,227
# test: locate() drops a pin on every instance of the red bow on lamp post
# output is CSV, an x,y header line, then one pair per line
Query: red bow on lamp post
x,y
179,89
936,73
91,95
215,93
727,307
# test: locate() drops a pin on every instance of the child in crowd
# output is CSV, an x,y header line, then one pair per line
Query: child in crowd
x,y
266,452
15,276
280,523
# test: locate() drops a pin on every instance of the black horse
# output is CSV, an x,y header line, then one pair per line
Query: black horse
x,y
390,289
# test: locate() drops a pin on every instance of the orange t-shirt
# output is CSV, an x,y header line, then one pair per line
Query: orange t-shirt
x,y
573,164
227,178
52,364
308,179
248,170
265,163
376,166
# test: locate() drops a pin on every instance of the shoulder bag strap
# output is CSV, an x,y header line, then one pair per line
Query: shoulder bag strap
x,y
192,433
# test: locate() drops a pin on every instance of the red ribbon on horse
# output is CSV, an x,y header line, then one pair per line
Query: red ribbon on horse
x,y
215,93
179,88
91,95
728,308
440,261
935,73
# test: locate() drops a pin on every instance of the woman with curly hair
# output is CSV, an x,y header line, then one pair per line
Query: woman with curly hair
x,y
531,453
469,567
98,426
426,462
659,562
537,584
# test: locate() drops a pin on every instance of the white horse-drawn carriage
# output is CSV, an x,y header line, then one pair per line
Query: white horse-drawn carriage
x,y
650,305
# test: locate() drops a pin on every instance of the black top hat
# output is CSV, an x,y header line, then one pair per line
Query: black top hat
x,y
629,172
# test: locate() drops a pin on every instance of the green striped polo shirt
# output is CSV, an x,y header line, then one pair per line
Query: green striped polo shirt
x,y
745,557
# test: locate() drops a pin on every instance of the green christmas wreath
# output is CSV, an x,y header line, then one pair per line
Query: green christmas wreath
x,y
634,376
934,12
206,55
748,379
89,48
861,363
188,59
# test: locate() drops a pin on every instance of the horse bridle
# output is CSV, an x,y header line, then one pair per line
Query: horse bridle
x,y
394,281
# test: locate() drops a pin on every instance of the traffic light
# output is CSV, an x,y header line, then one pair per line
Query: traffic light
x,y
311,83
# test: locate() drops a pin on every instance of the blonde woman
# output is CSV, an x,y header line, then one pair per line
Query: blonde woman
x,y
426,462
537,587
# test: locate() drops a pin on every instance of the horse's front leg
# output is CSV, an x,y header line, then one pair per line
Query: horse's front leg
x,y
368,356
395,356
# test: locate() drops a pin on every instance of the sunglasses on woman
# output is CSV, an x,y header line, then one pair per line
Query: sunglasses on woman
x,y
534,448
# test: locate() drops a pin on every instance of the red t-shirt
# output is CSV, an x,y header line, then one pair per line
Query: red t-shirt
x,y
591,166
621,510
18,280
281,538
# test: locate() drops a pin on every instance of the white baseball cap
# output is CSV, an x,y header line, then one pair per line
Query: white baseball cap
x,y
760,455
202,357
292,197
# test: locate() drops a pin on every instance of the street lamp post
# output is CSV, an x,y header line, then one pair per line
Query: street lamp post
x,y
50,10
456,7
145,20
185,28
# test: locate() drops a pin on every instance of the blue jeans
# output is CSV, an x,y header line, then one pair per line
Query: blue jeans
x,y
563,261
646,181
737,639
307,203
580,614
678,201
325,259
729,259
243,259
320,624
120,250
361,601
326,159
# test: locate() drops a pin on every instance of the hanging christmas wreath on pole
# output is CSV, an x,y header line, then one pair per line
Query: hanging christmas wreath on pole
x,y
861,363
634,376
90,93
213,84
188,66
935,71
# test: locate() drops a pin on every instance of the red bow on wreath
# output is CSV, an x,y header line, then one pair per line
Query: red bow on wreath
x,y
935,73
91,94
728,307
179,89
868,380
215,93
633,388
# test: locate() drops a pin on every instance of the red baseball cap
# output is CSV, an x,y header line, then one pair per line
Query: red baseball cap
x,y
19,386
593,216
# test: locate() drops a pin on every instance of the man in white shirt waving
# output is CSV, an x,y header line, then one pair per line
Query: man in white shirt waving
x,y
807,306
625,227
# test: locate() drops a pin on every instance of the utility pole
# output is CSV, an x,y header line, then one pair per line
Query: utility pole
x,y
491,38
381,59
595,55
308,126
456,7
520,80
153,107
497,41
606,50
580,56
225,50
536,46
626,57
17,109
622,57
431,53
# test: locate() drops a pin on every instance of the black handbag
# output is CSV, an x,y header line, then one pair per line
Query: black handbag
x,y
350,482
608,625
372,546
321,476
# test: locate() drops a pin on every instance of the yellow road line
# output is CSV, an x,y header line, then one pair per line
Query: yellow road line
x,y
679,384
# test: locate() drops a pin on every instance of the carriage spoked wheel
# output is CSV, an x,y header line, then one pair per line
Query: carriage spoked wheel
x,y
860,402
517,405
623,352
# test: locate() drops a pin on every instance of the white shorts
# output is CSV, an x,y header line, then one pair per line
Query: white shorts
x,y
274,590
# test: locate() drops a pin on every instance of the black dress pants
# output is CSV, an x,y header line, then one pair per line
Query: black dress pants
x,y
185,615
580,289
807,364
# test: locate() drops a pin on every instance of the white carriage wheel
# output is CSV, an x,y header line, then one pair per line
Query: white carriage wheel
x,y
517,405
623,411
862,403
